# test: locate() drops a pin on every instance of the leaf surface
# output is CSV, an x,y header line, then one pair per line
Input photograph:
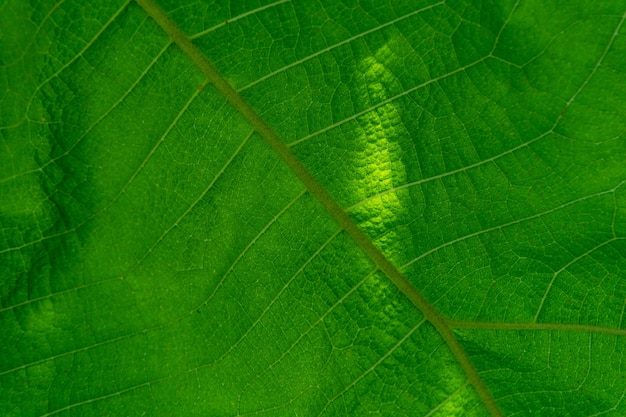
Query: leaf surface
x,y
312,208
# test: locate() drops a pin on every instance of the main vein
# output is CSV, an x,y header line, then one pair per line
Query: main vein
x,y
314,187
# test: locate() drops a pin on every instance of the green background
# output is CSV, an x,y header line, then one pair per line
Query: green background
x,y
159,258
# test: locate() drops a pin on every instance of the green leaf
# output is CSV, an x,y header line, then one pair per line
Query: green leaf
x,y
313,208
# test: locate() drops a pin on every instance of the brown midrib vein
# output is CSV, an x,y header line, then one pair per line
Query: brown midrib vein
x,y
341,216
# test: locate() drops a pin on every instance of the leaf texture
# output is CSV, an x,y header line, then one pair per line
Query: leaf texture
x,y
312,208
